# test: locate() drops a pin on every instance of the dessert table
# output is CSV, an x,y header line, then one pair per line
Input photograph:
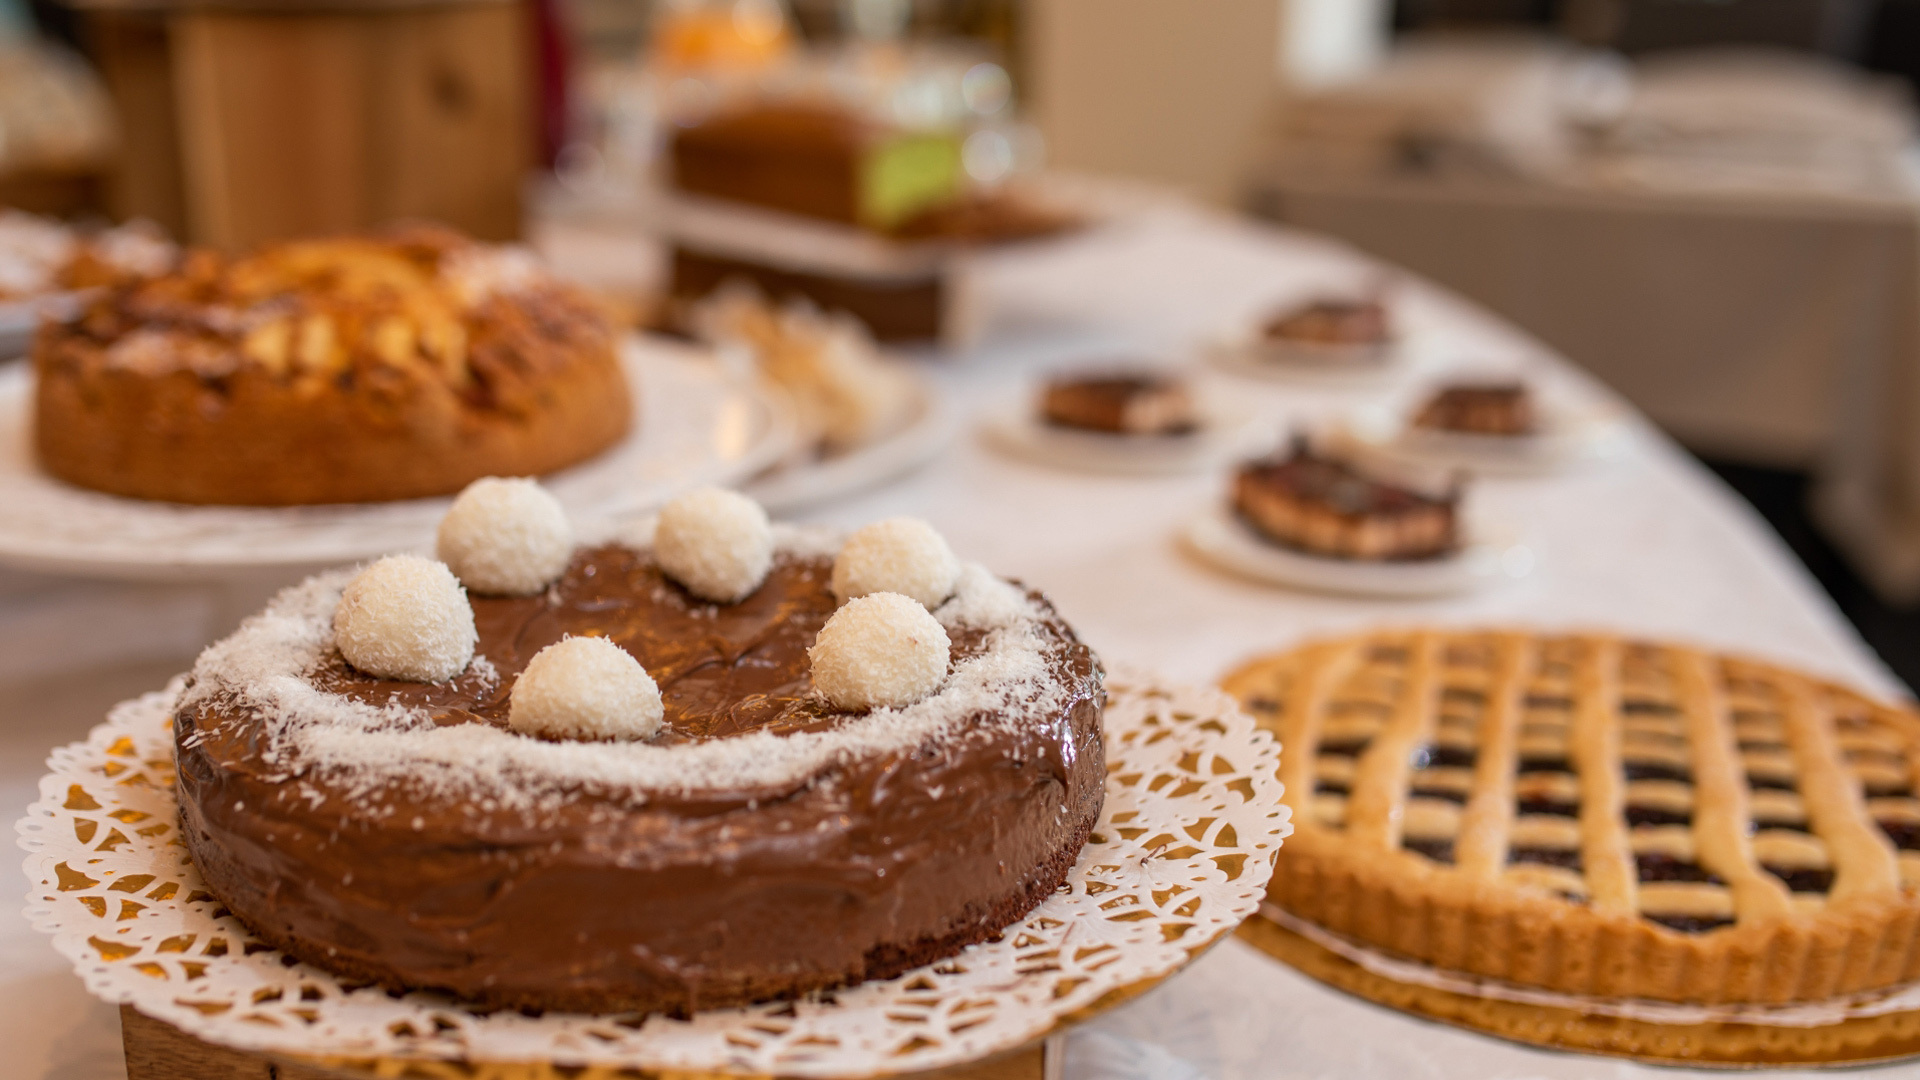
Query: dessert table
x,y
1646,542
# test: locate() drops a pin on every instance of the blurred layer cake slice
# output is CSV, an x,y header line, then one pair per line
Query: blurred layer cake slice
x,y
824,201
1480,408
1324,506
1121,403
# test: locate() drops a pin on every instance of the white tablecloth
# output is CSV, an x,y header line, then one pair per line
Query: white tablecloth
x,y
1649,543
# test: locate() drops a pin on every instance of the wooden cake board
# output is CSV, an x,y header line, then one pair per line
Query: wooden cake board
x,y
156,1050
1723,1045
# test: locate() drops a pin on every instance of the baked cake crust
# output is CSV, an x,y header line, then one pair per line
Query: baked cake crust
x,y
351,370
1596,816
613,877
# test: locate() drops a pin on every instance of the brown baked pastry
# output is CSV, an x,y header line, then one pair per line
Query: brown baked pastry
x,y
1503,408
1330,321
346,370
1597,816
1145,403
761,845
1321,505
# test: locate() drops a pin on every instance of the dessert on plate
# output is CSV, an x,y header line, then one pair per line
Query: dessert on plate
x,y
1333,323
1303,499
1121,402
351,369
1503,408
729,763
845,394
1589,815
816,197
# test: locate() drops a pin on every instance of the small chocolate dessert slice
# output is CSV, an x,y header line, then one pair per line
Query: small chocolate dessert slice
x,y
1488,408
1328,507
1136,403
1333,321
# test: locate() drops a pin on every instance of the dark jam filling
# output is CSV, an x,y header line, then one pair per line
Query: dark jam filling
x,y
1655,770
1439,849
1904,834
1331,787
1568,858
1451,795
1771,783
1799,825
1344,748
1548,701
1656,815
1557,763
1648,708
1546,807
1653,866
1803,879
1442,756
1687,924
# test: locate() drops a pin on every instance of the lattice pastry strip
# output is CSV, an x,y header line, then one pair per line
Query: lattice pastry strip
x,y
1598,815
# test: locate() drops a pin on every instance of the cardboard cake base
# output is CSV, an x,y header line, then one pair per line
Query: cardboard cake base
x,y
156,1050
1713,1045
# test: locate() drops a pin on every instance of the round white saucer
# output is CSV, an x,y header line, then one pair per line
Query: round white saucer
x,y
1225,435
1490,555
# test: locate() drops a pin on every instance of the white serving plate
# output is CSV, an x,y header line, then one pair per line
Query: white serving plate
x,y
802,482
20,318
1334,366
1490,555
696,424
1571,434
1225,434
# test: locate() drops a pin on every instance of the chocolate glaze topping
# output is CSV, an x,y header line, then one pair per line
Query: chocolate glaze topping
x,y
668,900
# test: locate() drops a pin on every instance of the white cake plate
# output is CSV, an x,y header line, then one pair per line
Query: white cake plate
x,y
696,424
1491,554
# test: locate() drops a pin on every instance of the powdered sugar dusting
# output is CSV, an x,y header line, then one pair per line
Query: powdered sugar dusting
x,y
264,669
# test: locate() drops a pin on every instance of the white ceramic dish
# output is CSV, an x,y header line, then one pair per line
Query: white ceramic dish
x,y
696,425
1571,434
1333,366
803,482
1225,435
20,318
1490,555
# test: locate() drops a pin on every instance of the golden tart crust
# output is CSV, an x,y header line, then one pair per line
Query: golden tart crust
x,y
355,369
1597,816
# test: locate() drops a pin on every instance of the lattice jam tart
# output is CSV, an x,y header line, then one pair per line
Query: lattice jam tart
x,y
731,764
353,369
1597,816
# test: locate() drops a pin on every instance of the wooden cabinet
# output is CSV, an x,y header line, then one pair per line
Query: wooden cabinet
x,y
249,122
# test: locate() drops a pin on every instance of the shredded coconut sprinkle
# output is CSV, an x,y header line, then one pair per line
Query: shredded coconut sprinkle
x,y
264,670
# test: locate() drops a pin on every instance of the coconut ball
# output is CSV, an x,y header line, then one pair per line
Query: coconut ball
x,y
585,688
879,651
505,536
899,555
405,617
717,543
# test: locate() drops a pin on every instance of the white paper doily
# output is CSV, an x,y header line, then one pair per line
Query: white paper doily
x,y
1180,857
696,424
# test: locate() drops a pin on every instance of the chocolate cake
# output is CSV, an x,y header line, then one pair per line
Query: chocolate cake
x,y
1332,321
1121,404
1503,408
1329,507
761,845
